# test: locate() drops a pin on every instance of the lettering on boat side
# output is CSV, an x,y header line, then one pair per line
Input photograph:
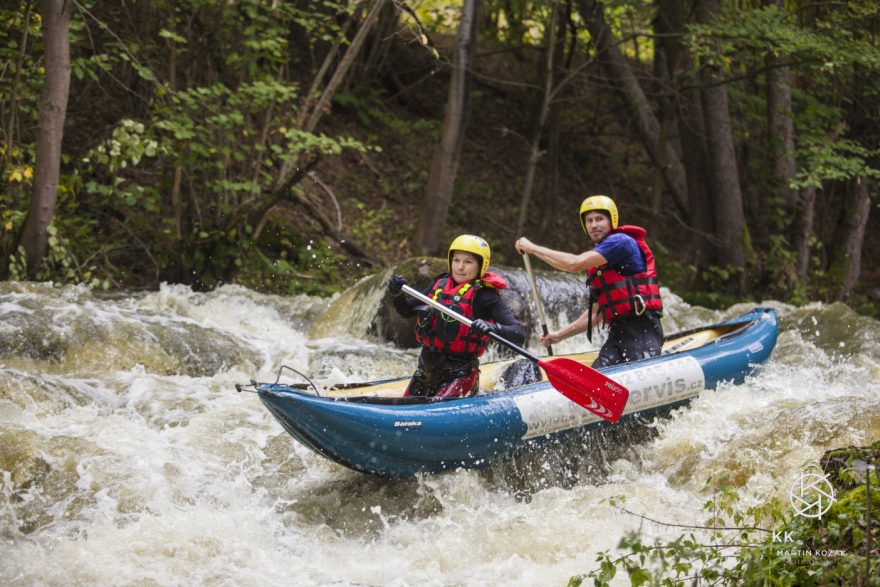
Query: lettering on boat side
x,y
406,423
548,411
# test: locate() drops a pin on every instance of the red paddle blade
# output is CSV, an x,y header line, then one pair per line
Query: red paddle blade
x,y
586,387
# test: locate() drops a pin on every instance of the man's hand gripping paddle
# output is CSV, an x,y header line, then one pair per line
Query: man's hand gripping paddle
x,y
583,385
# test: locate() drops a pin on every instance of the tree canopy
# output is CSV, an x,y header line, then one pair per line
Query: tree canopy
x,y
286,145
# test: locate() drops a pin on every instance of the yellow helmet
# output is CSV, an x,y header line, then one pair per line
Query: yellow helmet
x,y
471,244
603,203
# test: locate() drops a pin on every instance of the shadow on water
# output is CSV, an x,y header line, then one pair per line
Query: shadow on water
x,y
345,501
568,460
359,505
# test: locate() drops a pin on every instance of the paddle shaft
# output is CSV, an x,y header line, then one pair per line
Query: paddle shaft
x,y
537,299
466,321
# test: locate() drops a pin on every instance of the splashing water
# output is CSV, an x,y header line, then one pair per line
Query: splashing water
x,y
127,457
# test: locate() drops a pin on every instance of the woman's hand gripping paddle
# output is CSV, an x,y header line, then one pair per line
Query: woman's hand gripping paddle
x,y
537,299
583,385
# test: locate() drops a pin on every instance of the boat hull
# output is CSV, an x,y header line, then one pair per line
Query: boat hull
x,y
399,438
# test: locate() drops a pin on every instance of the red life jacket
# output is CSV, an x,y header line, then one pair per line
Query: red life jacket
x,y
620,295
436,330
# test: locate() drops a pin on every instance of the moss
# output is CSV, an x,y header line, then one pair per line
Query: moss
x,y
852,504
846,467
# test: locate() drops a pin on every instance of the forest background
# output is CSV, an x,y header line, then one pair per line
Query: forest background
x,y
296,146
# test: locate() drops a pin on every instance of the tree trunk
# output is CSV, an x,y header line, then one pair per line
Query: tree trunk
x,y
730,221
693,141
846,262
804,232
668,25
729,217
382,40
781,123
347,61
663,155
554,123
444,164
10,130
782,148
543,112
688,114
53,109
308,101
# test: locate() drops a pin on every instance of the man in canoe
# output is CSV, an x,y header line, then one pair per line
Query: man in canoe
x,y
622,280
449,364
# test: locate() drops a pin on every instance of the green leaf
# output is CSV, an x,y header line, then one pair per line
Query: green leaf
x,y
639,576
172,36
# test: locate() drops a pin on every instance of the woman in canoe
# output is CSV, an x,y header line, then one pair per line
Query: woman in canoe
x,y
449,364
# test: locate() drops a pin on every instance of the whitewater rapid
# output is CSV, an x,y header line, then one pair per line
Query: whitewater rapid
x,y
127,456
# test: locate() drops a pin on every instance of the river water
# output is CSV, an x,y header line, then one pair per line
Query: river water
x,y
127,457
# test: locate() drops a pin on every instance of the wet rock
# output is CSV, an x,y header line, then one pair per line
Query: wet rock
x,y
419,273
847,468
68,330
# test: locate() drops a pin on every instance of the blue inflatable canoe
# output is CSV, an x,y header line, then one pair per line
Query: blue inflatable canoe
x,y
373,429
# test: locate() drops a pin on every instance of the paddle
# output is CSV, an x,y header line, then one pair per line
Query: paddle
x,y
581,384
537,299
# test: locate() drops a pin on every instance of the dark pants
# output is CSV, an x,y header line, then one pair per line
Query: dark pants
x,y
442,374
631,338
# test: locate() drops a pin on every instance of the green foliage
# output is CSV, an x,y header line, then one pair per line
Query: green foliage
x,y
780,260
632,21
368,227
180,126
59,265
751,34
757,545
677,275
834,60
182,182
285,263
439,15
839,160
865,306
366,104
710,288
127,146
15,187
830,50
361,100
16,160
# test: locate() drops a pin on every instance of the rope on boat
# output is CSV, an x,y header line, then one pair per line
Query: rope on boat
x,y
303,375
253,386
